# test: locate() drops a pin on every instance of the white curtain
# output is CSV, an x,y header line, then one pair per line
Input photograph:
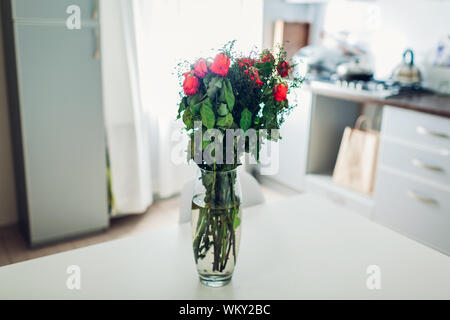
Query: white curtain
x,y
148,39
125,117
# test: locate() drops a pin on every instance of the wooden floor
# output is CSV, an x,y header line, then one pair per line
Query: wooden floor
x,y
13,248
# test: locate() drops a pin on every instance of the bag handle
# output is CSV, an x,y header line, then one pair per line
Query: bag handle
x,y
361,119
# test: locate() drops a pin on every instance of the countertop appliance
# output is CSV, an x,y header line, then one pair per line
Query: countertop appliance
x,y
406,73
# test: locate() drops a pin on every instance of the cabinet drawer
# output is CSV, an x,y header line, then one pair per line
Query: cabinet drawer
x,y
53,9
418,210
434,166
416,127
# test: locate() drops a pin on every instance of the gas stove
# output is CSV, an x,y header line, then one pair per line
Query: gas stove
x,y
372,88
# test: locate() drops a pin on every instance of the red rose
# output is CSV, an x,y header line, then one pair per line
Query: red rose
x,y
280,92
221,65
245,62
283,69
191,83
254,76
201,68
267,56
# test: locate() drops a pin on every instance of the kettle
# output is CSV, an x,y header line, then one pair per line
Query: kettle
x,y
407,73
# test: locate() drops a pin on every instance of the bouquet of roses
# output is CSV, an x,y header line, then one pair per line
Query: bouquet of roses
x,y
230,93
236,92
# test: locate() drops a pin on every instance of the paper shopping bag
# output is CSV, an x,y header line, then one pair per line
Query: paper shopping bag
x,y
356,163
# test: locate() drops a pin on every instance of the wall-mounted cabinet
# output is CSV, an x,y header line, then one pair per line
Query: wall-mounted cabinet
x,y
55,98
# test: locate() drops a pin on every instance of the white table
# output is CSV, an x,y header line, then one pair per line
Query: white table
x,y
304,247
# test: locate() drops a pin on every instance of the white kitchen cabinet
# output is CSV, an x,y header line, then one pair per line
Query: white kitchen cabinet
x,y
418,209
431,165
412,192
423,130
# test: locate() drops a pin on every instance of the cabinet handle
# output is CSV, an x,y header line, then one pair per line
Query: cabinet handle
x,y
97,45
419,197
95,11
419,164
425,131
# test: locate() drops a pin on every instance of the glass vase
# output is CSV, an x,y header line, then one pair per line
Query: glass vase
x,y
216,225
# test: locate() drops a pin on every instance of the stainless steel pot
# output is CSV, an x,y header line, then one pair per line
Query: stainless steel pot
x,y
354,71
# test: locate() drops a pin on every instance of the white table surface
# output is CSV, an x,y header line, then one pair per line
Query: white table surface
x,y
304,247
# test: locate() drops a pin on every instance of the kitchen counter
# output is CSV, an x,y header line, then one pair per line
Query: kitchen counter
x,y
437,104
304,247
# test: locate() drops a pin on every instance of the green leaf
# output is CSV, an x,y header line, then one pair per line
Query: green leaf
x,y
236,219
227,95
214,86
225,122
223,110
193,100
195,109
208,116
246,119
236,223
207,79
218,83
181,108
265,68
268,91
188,119
207,102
